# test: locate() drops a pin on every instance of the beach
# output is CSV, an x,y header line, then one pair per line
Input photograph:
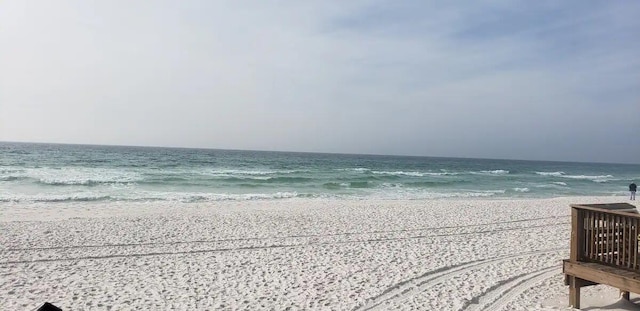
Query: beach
x,y
293,254
319,155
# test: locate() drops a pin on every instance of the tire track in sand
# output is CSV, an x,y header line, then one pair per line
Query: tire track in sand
x,y
498,296
262,247
406,289
234,239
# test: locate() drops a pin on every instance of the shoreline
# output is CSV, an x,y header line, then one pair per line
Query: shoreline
x,y
446,254
45,211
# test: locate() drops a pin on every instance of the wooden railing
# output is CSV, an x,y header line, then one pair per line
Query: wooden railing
x,y
604,236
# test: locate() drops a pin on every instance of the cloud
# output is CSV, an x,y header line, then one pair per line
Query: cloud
x,y
550,80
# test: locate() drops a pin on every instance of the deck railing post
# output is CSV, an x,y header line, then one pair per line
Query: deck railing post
x,y
577,253
577,235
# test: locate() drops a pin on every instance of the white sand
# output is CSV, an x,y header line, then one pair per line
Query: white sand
x,y
293,254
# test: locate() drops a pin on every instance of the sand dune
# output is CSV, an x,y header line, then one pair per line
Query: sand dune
x,y
293,254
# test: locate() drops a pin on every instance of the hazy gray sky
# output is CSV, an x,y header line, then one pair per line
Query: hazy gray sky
x,y
541,80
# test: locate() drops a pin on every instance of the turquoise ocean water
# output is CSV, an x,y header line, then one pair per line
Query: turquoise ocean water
x,y
70,173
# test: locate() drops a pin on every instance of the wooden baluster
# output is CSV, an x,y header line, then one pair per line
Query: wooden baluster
x,y
613,239
624,238
604,237
592,240
614,229
610,241
608,237
634,240
600,237
618,236
628,240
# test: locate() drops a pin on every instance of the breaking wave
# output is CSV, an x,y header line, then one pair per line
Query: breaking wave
x,y
550,173
171,197
495,172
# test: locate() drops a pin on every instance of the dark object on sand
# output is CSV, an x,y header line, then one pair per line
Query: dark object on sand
x,y
48,307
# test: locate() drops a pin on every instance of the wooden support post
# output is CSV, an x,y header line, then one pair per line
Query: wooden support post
x,y
577,249
577,235
575,283
574,292
624,294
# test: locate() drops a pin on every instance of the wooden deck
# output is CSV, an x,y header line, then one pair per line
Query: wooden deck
x,y
604,249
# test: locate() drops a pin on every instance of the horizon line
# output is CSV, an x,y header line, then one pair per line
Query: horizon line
x,y
308,152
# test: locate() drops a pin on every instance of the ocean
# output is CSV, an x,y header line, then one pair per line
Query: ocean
x,y
76,173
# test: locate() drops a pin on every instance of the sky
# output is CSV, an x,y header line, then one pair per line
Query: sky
x,y
535,80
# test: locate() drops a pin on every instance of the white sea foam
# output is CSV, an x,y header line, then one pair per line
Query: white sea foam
x,y
550,173
142,196
75,197
234,172
490,173
496,172
213,197
521,189
355,169
399,173
595,178
553,185
246,174
475,194
80,176
422,194
258,196
414,173
441,173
